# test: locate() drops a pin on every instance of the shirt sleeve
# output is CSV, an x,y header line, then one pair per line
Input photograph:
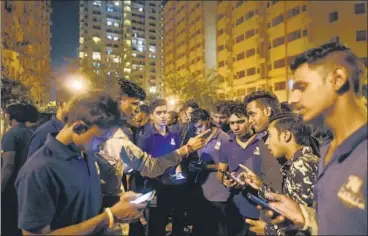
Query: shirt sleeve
x,y
223,153
9,142
300,183
150,167
37,196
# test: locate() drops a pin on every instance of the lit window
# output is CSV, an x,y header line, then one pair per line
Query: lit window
x,y
81,54
96,64
81,40
140,42
140,9
109,22
127,9
134,66
152,48
134,41
96,39
96,56
116,38
97,3
116,59
109,37
127,70
134,54
117,3
116,24
109,51
140,48
110,9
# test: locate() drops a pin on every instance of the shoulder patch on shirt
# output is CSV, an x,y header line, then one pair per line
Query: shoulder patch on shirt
x,y
256,151
172,142
351,194
217,145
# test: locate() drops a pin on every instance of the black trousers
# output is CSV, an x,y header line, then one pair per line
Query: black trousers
x,y
170,201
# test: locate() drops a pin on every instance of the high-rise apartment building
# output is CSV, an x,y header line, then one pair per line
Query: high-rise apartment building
x,y
189,37
25,51
122,39
257,40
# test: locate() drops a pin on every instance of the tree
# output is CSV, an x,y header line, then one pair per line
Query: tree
x,y
200,89
14,91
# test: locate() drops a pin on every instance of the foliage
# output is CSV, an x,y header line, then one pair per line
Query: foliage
x,y
49,107
13,91
200,89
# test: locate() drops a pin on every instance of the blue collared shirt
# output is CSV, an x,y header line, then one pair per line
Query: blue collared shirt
x,y
57,187
39,137
341,188
158,145
250,156
213,190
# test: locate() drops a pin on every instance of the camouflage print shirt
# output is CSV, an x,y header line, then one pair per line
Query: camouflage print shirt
x,y
299,176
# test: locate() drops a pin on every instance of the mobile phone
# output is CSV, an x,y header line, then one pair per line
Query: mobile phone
x,y
239,181
266,206
263,203
144,198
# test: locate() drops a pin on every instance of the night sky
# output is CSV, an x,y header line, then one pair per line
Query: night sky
x,y
65,31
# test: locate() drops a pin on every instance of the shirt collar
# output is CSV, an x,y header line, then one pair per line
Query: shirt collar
x,y
57,123
344,149
60,150
301,152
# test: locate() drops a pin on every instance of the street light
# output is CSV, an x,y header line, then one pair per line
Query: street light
x,y
77,83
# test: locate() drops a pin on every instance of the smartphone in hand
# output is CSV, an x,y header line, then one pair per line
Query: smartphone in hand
x,y
144,198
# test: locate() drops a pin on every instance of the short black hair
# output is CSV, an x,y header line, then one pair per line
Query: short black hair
x,y
264,99
18,112
131,89
221,107
144,109
174,114
238,109
33,114
190,103
199,114
157,103
294,124
96,107
285,107
332,53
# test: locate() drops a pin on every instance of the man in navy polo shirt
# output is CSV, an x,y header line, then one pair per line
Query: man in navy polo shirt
x,y
14,147
261,106
213,207
54,125
244,148
220,115
59,189
327,80
158,142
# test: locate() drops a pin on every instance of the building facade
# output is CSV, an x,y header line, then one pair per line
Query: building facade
x,y
257,40
25,52
122,39
189,38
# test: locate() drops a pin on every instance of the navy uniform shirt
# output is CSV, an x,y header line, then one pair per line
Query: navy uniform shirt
x,y
158,145
15,140
251,157
57,187
341,188
213,190
39,137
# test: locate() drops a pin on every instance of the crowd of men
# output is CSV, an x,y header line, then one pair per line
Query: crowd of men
x,y
77,173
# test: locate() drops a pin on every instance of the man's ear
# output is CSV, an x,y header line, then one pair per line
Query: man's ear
x,y
339,80
287,136
267,111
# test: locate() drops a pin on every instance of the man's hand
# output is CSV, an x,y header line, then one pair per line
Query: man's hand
x,y
228,182
198,141
288,208
126,211
250,178
257,226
